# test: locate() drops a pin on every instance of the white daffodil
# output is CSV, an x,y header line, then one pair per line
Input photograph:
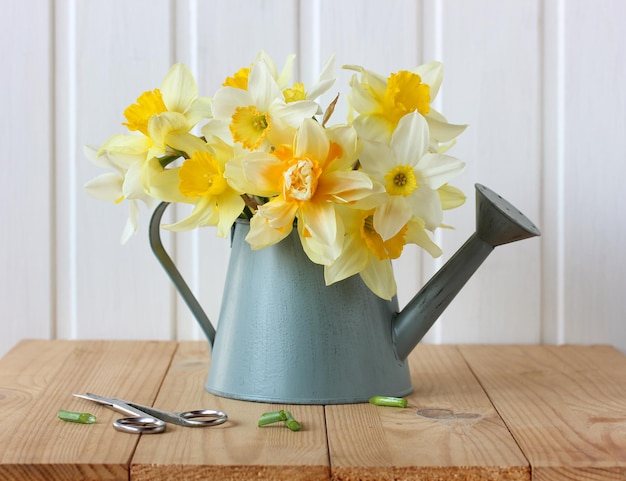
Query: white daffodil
x,y
259,116
381,102
411,176
120,185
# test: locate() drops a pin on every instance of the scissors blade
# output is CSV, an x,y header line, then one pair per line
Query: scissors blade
x,y
168,417
118,405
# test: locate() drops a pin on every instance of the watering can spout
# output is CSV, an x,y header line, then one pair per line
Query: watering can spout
x,y
497,223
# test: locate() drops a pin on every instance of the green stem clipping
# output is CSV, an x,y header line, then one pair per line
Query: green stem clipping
x,y
280,416
397,402
73,417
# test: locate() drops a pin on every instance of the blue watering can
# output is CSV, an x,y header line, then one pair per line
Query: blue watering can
x,y
284,336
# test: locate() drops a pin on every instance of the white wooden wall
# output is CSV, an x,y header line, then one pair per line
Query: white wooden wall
x,y
542,84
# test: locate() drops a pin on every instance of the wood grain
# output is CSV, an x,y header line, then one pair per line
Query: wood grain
x,y
236,450
477,413
565,406
38,378
449,428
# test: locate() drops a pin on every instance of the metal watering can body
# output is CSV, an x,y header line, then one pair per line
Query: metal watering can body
x,y
286,337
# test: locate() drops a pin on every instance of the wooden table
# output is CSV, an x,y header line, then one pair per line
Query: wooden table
x,y
477,412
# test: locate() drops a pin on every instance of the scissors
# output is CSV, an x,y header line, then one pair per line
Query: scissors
x,y
148,420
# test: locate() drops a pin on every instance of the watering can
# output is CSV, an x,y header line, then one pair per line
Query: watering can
x,y
284,336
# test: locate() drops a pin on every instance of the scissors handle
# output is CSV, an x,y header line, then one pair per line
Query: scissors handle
x,y
202,418
139,425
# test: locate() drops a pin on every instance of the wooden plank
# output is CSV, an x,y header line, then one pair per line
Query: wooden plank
x,y
38,378
236,450
450,430
565,406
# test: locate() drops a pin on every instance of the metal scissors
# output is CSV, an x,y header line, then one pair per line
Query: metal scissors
x,y
148,420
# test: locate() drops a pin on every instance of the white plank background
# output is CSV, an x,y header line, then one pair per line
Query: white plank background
x,y
541,83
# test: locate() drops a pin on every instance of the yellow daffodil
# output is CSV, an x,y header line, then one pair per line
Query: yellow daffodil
x,y
411,176
258,117
307,180
365,252
174,107
381,102
201,181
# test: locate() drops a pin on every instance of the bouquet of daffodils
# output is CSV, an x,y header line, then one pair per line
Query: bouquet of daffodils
x,y
261,148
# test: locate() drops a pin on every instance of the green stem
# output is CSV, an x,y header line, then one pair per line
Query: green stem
x,y
271,417
291,422
74,417
397,402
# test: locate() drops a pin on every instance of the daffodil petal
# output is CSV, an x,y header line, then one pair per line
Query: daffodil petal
x,y
186,142
227,99
451,197
199,110
279,214
131,223
437,169
353,259
377,159
416,234
293,113
311,141
375,82
91,154
133,186
261,235
203,212
126,144
107,187
411,139
441,130
392,216
347,186
178,88
164,186
425,204
378,276
324,81
346,137
162,124
219,129
262,86
229,208
431,74
264,171
286,73
373,127
362,99
321,220
319,252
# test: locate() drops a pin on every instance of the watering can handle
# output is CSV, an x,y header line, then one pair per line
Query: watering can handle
x,y
174,274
